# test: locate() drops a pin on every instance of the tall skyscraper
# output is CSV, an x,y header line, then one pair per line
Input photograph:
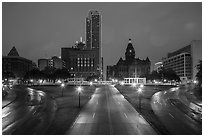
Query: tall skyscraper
x,y
84,59
93,29
93,36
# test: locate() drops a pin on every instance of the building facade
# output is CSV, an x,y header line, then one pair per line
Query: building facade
x,y
54,62
80,62
183,61
84,59
16,64
93,36
42,64
131,67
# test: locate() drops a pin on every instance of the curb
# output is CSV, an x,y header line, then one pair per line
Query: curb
x,y
14,98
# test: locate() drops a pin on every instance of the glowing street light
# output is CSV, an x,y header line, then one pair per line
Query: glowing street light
x,y
122,83
91,83
141,86
62,86
139,92
195,81
134,85
79,89
165,80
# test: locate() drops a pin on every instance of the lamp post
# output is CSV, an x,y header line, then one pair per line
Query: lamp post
x,y
62,86
139,92
79,89
122,83
91,83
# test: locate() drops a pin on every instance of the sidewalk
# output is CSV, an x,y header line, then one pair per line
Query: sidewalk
x,y
9,98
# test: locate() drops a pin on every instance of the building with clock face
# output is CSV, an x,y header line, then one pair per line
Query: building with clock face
x,y
130,67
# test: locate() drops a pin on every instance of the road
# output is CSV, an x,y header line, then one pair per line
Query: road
x,y
172,115
21,116
109,113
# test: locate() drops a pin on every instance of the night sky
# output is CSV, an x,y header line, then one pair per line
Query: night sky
x,y
39,30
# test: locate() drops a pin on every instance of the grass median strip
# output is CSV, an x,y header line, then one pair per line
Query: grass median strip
x,y
132,96
67,106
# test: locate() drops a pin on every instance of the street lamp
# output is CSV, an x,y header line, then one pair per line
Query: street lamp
x,y
139,92
62,86
134,85
79,89
141,86
122,83
91,83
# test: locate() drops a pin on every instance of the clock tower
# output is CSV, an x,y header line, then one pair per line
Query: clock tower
x,y
130,52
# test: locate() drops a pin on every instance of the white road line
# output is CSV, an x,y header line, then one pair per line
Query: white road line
x,y
6,115
171,115
75,121
125,115
93,115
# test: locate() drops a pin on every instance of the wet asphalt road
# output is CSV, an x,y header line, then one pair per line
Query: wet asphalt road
x,y
109,113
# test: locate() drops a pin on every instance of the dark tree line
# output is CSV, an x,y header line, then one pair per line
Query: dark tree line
x,y
163,74
49,73
7,74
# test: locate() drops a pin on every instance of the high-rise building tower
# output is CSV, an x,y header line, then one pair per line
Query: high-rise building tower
x,y
93,35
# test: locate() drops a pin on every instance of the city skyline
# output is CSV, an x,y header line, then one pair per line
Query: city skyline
x,y
39,30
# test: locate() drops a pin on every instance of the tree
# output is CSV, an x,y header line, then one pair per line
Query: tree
x,y
154,76
48,73
61,74
34,74
92,77
169,74
7,74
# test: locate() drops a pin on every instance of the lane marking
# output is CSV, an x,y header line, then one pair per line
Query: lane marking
x,y
171,115
93,115
6,115
109,117
73,124
125,115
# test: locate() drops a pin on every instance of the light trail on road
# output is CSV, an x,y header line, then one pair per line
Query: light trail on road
x,y
177,122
